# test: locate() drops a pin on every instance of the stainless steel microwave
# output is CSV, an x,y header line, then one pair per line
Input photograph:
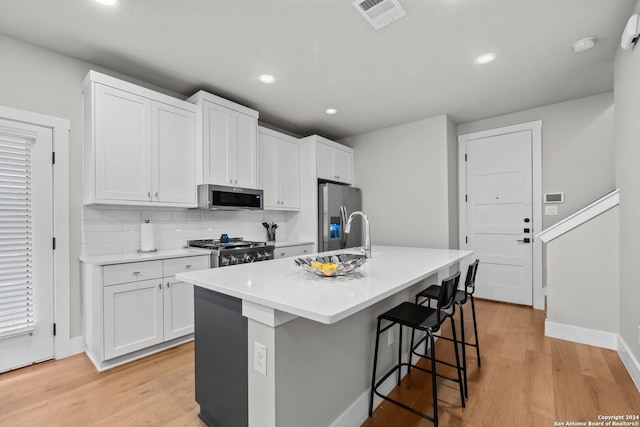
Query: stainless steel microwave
x,y
220,197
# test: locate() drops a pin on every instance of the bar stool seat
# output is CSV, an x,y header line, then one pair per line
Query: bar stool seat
x,y
428,320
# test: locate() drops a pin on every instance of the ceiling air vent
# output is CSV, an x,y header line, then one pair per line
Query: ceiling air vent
x,y
379,12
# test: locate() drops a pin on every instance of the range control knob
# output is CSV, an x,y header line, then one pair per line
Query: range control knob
x,y
248,258
233,260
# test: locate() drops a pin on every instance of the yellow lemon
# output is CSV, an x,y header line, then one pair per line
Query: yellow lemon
x,y
316,264
328,269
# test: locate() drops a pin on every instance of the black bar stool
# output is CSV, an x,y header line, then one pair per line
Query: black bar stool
x,y
433,293
428,320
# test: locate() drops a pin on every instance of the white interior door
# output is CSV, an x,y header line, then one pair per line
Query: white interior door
x,y
26,252
499,215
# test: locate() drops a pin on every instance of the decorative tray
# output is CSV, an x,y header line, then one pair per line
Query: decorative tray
x,y
331,265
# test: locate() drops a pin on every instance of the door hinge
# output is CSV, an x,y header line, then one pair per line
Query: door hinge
x,y
54,329
54,243
53,157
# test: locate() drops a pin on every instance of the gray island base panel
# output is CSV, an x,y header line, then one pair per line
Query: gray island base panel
x,y
318,333
220,359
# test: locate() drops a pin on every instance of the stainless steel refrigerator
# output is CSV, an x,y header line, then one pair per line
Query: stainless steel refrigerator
x,y
335,204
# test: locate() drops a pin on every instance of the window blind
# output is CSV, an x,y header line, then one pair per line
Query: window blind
x,y
16,243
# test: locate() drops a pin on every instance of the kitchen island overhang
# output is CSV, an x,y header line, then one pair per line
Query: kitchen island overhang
x,y
318,332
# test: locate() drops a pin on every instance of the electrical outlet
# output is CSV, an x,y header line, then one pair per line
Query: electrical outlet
x,y
260,358
551,210
390,337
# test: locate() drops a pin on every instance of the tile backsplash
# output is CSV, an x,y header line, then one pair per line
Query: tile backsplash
x,y
116,229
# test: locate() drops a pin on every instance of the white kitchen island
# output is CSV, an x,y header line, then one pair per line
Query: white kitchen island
x,y
318,333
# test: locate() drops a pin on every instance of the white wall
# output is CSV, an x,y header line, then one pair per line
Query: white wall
x,y
577,148
406,179
583,275
627,157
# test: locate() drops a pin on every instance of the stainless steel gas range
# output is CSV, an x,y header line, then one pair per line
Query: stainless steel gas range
x,y
235,251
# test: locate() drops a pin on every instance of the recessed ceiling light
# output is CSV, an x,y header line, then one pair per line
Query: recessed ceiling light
x,y
485,58
331,111
267,78
108,2
584,44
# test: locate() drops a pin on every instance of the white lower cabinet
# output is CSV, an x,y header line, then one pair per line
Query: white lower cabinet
x,y
133,309
132,317
293,250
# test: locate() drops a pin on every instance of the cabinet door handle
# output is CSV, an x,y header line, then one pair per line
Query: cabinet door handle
x,y
149,195
160,286
168,285
157,195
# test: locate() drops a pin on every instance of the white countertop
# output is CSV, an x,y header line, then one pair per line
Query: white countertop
x,y
283,286
135,257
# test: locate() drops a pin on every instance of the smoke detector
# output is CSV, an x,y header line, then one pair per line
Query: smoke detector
x,y
379,12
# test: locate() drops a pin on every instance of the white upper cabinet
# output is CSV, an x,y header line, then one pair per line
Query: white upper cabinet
x,y
229,137
139,145
174,184
334,161
279,169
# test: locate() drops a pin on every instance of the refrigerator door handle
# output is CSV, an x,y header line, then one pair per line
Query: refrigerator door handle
x,y
343,236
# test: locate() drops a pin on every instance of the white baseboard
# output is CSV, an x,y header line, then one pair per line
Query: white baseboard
x,y
609,340
581,335
358,412
630,362
76,345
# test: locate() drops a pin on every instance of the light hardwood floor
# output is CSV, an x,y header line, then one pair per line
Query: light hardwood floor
x,y
526,379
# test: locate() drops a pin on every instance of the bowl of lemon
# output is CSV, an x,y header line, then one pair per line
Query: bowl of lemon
x,y
332,265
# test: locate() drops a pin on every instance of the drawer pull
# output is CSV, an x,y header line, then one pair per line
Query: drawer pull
x,y
135,273
187,266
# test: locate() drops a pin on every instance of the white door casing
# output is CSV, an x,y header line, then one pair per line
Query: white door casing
x,y
500,186
37,344
63,344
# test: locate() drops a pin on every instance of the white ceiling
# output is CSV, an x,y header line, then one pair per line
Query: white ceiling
x,y
324,54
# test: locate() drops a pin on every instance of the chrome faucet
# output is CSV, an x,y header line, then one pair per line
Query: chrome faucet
x,y
367,241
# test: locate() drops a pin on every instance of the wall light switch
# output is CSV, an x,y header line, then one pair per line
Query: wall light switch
x,y
551,210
